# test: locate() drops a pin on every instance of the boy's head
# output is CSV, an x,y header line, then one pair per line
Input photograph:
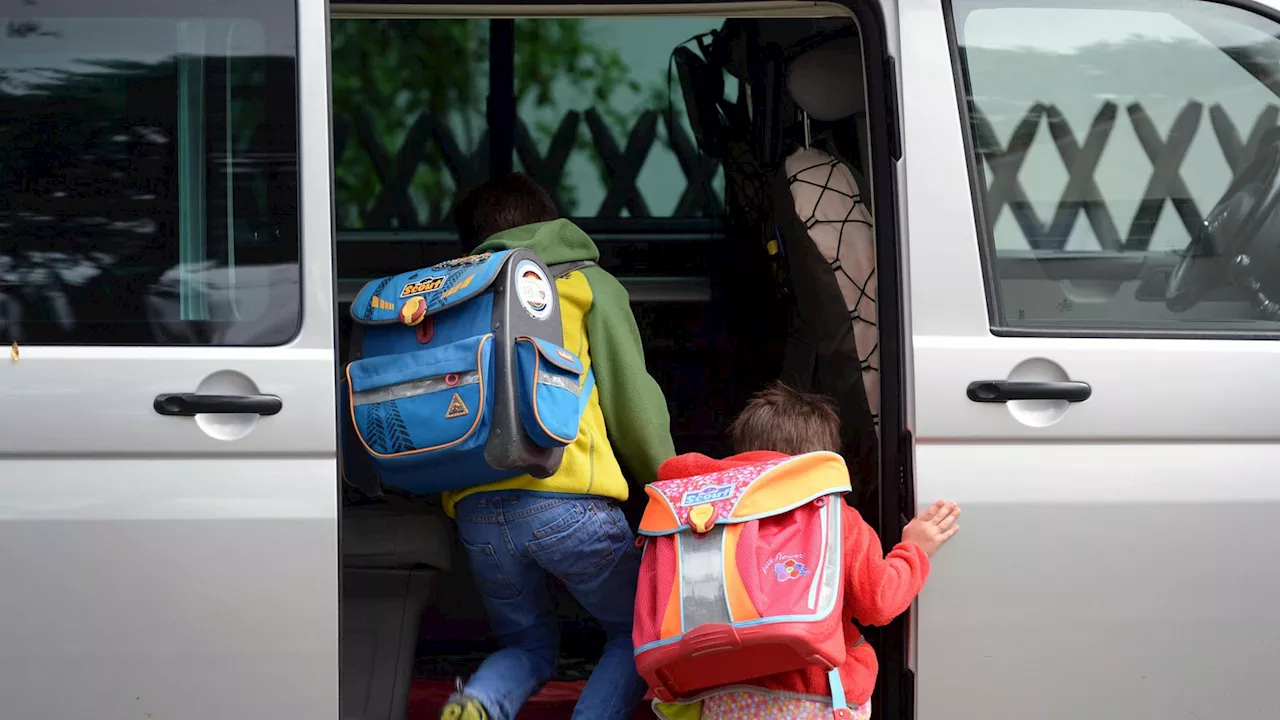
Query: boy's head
x,y
505,202
787,421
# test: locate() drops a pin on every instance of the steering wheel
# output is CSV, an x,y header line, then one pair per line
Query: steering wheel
x,y
1218,252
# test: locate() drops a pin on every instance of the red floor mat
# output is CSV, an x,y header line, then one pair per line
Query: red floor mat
x,y
555,702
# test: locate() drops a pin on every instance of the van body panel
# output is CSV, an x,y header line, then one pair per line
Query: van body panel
x,y
1113,558
1131,577
161,566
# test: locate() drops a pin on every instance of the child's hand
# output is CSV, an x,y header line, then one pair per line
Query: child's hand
x,y
933,527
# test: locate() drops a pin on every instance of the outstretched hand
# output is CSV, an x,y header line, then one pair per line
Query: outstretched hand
x,y
933,527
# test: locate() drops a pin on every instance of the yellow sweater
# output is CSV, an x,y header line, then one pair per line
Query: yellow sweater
x,y
589,466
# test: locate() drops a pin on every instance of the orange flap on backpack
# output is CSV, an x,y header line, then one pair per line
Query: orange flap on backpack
x,y
744,493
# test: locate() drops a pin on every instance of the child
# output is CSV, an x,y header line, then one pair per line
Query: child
x,y
519,531
778,422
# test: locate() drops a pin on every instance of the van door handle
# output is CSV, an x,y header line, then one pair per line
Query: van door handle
x,y
999,391
189,404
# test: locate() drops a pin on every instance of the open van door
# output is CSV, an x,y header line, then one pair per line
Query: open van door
x,y
168,498
1095,365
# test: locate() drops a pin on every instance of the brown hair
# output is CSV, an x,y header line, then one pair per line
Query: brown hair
x,y
505,202
785,420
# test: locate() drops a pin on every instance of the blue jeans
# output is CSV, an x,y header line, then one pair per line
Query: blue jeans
x,y
515,539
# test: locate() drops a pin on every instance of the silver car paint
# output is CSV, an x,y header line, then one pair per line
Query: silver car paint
x,y
1113,564
149,569
1117,563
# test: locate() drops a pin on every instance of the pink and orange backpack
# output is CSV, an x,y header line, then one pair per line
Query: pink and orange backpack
x,y
741,575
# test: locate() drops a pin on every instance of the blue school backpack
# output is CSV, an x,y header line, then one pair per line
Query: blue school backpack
x,y
459,377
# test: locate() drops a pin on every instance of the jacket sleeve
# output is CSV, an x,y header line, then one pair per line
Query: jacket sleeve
x,y
635,410
879,588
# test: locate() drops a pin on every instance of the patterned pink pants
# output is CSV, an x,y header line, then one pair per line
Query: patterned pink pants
x,y
745,705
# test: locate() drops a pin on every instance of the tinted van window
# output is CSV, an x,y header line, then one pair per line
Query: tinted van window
x,y
148,178
1128,163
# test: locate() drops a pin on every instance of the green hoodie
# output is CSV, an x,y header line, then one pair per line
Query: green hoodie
x,y
627,418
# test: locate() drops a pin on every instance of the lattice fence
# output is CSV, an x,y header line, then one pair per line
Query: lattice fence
x,y
1081,158
623,159
622,162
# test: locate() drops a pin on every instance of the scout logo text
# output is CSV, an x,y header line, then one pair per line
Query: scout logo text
x,y
706,495
422,286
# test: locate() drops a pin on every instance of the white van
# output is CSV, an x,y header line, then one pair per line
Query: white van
x,y
1078,299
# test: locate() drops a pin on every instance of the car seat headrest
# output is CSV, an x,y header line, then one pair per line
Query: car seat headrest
x,y
826,81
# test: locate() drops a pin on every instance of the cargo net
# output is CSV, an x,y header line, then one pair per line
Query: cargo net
x,y
831,206
747,202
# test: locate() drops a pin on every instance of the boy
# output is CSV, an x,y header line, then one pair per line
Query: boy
x,y
781,421
518,531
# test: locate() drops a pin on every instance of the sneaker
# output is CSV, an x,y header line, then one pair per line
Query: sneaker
x,y
463,708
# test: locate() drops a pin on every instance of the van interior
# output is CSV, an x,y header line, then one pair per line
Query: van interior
x,y
744,201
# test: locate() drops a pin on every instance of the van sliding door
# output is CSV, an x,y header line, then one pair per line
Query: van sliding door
x,y
168,498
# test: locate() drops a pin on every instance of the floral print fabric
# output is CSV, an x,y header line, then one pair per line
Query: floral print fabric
x,y
747,705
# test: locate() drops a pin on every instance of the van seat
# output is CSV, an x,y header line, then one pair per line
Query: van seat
x,y
396,535
394,559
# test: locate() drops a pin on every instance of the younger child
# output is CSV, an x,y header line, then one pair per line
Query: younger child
x,y
781,421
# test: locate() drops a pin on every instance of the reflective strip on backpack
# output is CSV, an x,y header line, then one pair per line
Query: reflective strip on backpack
x,y
702,594
834,558
559,381
414,388
703,597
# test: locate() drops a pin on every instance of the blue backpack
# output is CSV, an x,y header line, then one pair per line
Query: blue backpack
x,y
458,376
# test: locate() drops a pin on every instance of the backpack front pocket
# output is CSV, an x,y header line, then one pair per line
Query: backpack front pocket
x,y
553,393
431,401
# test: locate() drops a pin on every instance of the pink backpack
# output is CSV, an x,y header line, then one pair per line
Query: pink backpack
x,y
741,575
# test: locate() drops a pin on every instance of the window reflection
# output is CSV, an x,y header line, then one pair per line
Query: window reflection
x,y
148,186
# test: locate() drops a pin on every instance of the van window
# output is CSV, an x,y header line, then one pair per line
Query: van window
x,y
409,120
148,182
593,101
1102,138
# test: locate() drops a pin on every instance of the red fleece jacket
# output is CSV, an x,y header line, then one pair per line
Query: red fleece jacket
x,y
877,588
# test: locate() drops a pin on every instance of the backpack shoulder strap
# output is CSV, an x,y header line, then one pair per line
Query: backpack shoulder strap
x,y
559,270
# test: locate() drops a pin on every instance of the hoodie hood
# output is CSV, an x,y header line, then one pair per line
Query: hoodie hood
x,y
694,464
557,241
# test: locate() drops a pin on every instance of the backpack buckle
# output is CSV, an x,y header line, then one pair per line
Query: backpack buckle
x,y
702,518
413,311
